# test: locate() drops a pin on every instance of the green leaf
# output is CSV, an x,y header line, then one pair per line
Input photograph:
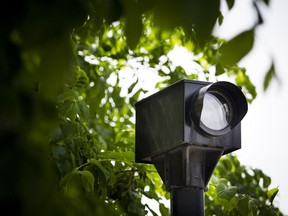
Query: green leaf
x,y
58,152
137,207
133,31
101,167
230,3
163,210
235,49
56,134
68,95
125,136
131,87
269,76
219,70
203,17
272,194
216,181
266,181
252,204
83,109
151,194
70,109
134,25
226,192
82,78
249,89
220,18
87,179
265,210
134,194
72,183
243,206
126,157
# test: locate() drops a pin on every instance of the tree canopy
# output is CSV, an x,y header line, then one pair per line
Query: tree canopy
x,y
71,72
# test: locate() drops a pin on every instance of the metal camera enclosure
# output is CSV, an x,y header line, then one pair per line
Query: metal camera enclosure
x,y
163,122
168,137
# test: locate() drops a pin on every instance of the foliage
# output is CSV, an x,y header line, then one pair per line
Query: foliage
x,y
64,68
229,196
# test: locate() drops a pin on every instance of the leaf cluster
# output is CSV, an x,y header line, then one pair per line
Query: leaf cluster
x,y
67,117
243,190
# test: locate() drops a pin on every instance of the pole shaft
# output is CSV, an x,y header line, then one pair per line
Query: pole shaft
x,y
187,202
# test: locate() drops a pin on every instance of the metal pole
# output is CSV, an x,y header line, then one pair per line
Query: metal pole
x,y
187,202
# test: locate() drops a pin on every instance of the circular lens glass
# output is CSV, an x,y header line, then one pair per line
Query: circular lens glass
x,y
216,113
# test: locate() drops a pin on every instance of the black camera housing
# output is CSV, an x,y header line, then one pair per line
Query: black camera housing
x,y
164,121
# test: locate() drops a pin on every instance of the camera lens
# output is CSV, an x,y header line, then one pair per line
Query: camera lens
x,y
216,113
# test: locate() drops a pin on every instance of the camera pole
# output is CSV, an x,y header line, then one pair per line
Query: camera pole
x,y
187,202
